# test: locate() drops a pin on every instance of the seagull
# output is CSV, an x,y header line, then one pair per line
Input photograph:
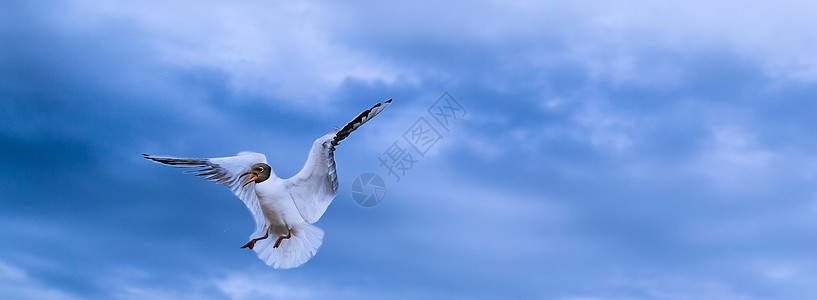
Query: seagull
x,y
284,209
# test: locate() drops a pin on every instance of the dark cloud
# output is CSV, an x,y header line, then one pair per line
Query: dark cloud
x,y
589,165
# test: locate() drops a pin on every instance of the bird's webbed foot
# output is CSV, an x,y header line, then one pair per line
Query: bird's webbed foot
x,y
281,238
251,243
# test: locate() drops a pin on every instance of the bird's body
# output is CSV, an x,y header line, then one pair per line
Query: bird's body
x,y
277,205
284,209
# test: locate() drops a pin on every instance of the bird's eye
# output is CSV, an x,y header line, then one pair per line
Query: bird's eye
x,y
261,169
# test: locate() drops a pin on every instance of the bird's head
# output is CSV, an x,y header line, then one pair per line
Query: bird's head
x,y
258,173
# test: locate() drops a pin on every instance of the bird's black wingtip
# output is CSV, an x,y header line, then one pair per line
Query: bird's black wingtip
x,y
152,158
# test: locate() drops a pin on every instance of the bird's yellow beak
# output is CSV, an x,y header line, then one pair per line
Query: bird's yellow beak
x,y
253,177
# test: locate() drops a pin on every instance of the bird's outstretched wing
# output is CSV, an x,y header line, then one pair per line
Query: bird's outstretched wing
x,y
227,171
314,187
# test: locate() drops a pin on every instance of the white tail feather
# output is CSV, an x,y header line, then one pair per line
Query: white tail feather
x,y
294,251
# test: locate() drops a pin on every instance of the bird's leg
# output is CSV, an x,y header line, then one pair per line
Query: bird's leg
x,y
251,243
281,238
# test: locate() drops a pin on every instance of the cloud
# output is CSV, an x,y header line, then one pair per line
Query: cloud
x,y
610,151
17,284
281,51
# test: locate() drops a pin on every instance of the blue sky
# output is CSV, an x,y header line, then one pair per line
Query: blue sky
x,y
621,150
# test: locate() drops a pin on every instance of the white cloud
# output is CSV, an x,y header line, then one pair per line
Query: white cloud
x,y
280,50
456,216
679,287
604,129
251,283
733,158
604,36
790,272
239,286
15,283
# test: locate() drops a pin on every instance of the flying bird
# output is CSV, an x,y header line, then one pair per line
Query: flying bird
x,y
284,209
